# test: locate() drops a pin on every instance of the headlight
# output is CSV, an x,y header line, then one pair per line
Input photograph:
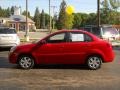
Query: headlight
x,y
12,49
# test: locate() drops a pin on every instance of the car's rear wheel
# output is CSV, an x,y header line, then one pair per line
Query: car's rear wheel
x,y
94,62
26,62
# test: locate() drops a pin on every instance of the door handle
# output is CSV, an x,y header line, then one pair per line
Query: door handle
x,y
88,45
61,46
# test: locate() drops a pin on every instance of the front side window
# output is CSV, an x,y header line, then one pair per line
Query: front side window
x,y
57,38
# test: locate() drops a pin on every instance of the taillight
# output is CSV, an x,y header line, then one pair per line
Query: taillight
x,y
109,45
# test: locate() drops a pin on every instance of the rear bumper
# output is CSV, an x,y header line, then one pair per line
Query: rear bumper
x,y
9,43
109,58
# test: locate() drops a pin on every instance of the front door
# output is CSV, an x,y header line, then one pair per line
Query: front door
x,y
52,51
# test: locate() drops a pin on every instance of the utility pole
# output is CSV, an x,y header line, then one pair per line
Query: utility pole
x,y
98,13
53,7
49,17
27,28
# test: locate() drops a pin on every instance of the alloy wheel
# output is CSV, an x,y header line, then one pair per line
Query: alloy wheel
x,y
94,62
26,62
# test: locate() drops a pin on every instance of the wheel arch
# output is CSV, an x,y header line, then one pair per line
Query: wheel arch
x,y
26,54
95,54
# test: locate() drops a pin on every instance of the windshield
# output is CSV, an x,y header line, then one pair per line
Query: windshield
x,y
7,31
110,30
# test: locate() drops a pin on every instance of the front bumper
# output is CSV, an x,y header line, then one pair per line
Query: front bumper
x,y
12,58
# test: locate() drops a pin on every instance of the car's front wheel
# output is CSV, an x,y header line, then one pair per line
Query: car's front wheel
x,y
26,62
94,62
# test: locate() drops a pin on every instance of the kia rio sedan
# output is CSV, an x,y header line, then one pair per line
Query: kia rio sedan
x,y
64,47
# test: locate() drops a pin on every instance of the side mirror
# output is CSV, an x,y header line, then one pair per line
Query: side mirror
x,y
43,42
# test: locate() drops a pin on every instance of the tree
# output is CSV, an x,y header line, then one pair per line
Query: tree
x,y
85,18
77,20
47,18
65,21
12,10
24,13
42,20
61,18
8,12
69,21
115,4
109,14
92,19
37,18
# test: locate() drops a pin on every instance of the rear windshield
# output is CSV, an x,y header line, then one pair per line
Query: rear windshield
x,y
7,31
110,30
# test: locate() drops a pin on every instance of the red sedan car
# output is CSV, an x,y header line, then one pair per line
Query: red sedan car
x,y
64,47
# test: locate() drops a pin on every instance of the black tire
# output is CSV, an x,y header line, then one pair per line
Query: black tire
x,y
26,62
94,62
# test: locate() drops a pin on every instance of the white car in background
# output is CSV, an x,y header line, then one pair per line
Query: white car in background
x,y
8,37
106,32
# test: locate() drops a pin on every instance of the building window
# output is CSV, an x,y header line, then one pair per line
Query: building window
x,y
10,25
2,21
14,25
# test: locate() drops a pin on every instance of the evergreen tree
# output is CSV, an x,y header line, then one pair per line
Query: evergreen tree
x,y
62,17
42,20
12,10
47,18
24,13
8,12
65,21
37,18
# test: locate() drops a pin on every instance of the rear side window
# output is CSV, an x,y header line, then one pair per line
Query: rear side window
x,y
7,31
80,37
77,37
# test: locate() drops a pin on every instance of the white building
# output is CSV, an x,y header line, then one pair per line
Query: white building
x,y
18,21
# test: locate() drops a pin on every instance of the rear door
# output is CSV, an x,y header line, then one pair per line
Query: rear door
x,y
76,49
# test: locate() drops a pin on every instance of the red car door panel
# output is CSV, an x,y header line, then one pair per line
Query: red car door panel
x,y
50,53
74,53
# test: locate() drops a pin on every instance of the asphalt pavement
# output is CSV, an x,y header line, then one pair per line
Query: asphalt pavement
x,y
59,77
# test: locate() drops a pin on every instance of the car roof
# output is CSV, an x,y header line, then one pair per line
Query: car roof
x,y
60,31
82,31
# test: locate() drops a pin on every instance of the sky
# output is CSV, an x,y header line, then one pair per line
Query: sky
x,y
86,6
